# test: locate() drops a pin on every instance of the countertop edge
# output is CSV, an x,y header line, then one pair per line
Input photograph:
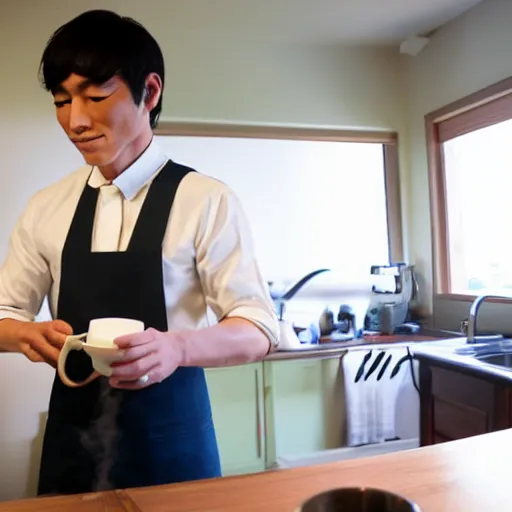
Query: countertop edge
x,y
337,348
464,364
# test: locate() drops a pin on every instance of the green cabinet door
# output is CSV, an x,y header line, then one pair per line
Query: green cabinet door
x,y
304,406
236,395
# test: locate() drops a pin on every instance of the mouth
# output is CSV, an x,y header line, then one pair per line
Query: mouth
x,y
86,139
86,143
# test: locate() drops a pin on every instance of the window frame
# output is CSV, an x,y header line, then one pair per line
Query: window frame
x,y
481,109
388,139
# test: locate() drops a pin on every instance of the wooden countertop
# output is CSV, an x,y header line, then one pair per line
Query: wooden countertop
x,y
470,475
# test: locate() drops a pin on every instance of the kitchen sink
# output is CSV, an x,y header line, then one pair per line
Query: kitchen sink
x,y
493,353
500,346
503,360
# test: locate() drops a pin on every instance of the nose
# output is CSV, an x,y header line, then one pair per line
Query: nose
x,y
79,120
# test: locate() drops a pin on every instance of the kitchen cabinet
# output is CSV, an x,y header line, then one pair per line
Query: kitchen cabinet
x,y
275,408
236,395
304,406
456,403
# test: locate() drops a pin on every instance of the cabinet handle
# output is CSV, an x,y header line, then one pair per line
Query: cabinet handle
x,y
258,422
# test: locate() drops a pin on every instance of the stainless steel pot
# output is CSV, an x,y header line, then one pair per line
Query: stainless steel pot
x,y
358,499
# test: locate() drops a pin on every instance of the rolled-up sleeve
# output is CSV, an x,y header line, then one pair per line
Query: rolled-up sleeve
x,y
25,277
226,262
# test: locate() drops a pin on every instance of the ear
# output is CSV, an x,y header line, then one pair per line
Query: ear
x,y
152,91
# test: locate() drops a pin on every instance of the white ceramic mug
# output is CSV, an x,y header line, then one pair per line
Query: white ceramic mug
x,y
100,346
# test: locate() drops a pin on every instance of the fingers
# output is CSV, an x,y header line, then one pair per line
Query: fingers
x,y
31,354
136,339
40,345
136,352
145,354
56,337
42,341
62,327
153,376
134,369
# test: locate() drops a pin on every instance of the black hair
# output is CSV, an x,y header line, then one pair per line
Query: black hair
x,y
99,44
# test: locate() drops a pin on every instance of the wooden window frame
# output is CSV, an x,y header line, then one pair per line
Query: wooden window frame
x,y
483,108
388,139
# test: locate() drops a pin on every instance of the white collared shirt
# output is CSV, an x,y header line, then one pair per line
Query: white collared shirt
x,y
208,258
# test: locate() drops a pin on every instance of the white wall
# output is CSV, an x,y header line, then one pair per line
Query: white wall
x,y
465,56
242,81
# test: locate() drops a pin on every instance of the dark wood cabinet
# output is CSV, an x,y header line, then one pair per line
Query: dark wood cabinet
x,y
456,403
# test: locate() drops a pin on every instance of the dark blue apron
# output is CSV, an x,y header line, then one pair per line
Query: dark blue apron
x,y
98,437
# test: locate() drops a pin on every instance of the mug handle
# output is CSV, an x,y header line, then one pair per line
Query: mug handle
x,y
72,343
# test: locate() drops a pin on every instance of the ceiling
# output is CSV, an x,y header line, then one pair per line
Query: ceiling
x,y
382,22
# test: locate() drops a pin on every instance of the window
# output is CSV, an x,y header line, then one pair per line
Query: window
x,y
314,199
470,162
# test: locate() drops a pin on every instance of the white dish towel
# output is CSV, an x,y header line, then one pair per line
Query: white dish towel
x,y
371,404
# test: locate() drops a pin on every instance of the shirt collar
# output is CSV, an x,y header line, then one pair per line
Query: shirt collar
x,y
133,178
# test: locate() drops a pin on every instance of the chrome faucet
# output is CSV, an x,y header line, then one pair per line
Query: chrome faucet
x,y
473,312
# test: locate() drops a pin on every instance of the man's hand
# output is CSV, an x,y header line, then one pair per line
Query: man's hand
x,y
38,341
152,353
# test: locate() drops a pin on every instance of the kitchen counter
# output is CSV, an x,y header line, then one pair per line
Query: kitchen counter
x,y
334,348
462,393
443,354
470,475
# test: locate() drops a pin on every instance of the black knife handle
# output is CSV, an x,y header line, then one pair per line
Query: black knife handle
x,y
360,371
384,366
375,365
396,369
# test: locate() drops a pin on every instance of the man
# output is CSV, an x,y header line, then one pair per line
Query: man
x,y
131,234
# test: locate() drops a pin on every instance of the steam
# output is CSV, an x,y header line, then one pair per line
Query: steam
x,y
101,438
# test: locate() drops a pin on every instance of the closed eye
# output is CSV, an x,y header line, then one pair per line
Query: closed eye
x,y
97,99
61,103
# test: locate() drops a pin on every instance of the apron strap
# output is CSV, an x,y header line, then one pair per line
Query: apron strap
x,y
151,225
79,237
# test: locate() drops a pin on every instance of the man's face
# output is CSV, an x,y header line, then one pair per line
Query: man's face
x,y
102,120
